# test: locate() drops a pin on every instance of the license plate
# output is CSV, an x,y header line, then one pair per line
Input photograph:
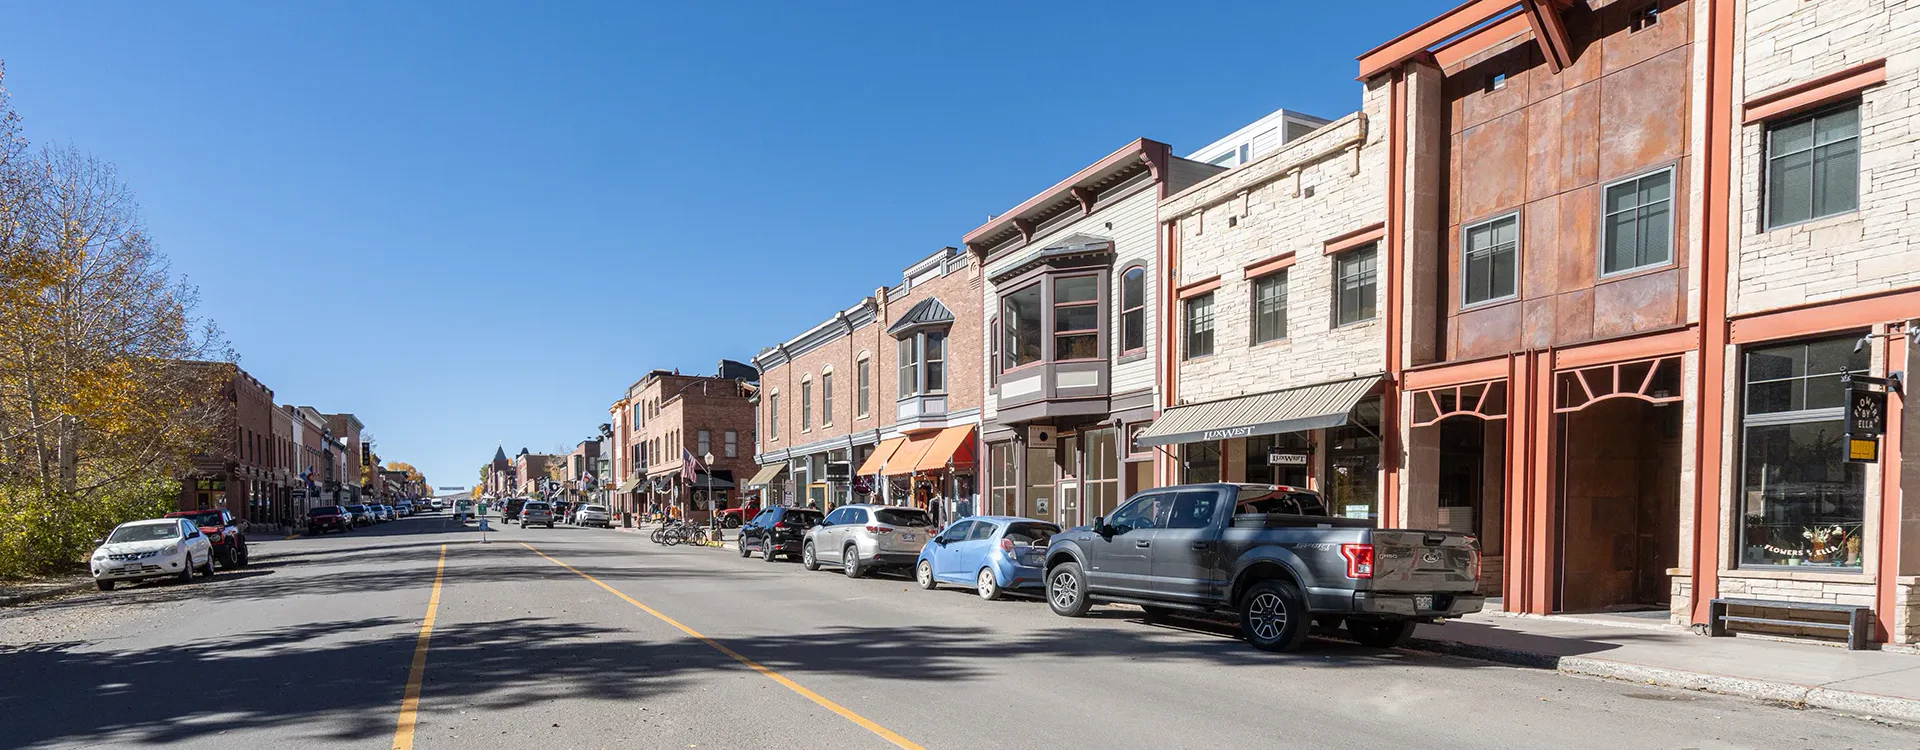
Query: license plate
x,y
1423,601
907,537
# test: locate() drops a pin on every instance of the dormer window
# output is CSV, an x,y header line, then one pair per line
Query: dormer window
x,y
921,333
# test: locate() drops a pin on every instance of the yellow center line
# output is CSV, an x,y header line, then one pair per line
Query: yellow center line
x,y
865,723
410,701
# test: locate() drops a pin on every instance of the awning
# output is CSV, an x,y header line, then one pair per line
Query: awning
x,y
766,475
954,445
878,458
705,481
1309,407
627,486
908,457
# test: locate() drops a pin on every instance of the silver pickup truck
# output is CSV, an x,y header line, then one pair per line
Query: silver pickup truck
x,y
1271,555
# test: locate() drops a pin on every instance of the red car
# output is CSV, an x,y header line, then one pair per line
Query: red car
x,y
733,517
229,544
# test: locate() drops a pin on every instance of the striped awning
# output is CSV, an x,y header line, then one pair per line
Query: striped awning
x,y
1305,408
628,486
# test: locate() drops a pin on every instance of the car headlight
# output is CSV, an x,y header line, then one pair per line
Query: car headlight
x,y
172,549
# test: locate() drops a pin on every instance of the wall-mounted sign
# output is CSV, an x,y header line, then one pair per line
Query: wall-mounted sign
x,y
1866,411
1277,458
1863,450
839,471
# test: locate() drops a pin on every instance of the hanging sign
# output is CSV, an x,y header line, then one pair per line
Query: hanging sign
x,y
1863,450
839,471
1866,411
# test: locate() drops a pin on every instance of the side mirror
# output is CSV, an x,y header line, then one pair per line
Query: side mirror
x,y
1099,522
940,540
99,541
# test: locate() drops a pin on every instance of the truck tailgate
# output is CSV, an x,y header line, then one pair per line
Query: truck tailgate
x,y
1410,560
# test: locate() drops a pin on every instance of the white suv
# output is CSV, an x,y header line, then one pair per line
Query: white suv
x,y
593,515
863,537
158,548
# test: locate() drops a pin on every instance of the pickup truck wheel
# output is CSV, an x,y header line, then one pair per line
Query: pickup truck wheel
x,y
226,555
987,585
731,522
1380,633
1273,616
240,553
1067,590
808,559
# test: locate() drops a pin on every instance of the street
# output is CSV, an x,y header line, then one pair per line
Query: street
x,y
573,637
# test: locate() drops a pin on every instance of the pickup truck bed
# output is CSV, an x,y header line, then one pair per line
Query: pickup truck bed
x,y
1269,554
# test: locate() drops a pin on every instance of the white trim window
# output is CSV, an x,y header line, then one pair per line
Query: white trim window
x,y
806,404
1489,260
732,443
1813,166
923,363
1270,307
1356,285
703,443
826,398
1199,332
1637,229
863,384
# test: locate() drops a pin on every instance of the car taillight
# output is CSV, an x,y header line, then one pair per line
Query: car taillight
x,y
1476,565
1006,546
878,529
1359,560
780,525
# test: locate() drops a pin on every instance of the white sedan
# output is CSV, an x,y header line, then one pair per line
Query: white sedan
x,y
162,547
593,515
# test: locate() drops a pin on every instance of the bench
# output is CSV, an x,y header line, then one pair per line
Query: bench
x,y
1859,624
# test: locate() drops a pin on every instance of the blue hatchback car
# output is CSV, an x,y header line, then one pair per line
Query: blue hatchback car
x,y
993,554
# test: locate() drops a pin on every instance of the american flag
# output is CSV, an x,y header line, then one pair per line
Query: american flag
x,y
686,465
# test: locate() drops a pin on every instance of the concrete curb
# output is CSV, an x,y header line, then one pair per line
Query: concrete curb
x,y
47,593
1844,701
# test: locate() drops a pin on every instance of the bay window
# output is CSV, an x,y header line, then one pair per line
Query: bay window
x,y
1076,318
1021,313
909,366
923,363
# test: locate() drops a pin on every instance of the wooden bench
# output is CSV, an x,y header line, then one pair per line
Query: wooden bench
x,y
1859,624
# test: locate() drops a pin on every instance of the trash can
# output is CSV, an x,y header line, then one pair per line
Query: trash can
x,y
626,518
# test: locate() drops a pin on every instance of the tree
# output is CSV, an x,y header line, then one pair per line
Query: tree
x,y
108,382
413,475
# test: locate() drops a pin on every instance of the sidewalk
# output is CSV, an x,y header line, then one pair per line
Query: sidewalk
x,y
1882,684
21,592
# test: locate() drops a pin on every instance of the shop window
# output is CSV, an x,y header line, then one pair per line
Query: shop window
x,y
1638,227
1002,481
1199,330
1200,462
1133,310
1039,481
1270,307
1813,166
1020,314
1100,483
1355,287
1802,503
1489,264
1353,463
1260,449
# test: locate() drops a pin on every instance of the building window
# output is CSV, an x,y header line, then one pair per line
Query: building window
x,y
1076,318
1002,480
1020,313
1200,462
826,398
993,352
1353,462
1813,166
1489,266
909,366
703,443
1259,451
1638,226
1133,310
773,416
934,350
639,415
1270,307
1355,277
1199,332
732,444
863,385
1802,503
806,405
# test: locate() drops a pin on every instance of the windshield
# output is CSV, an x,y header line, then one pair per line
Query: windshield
x,y
596,508
204,518
145,532
324,510
903,517
357,508
535,506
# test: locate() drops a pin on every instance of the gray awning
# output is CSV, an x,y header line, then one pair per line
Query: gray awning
x,y
766,474
1305,408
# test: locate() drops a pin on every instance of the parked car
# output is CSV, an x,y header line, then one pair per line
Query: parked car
x,y
437,504
860,538
362,516
229,544
154,548
534,512
1270,554
403,507
462,509
512,510
381,513
328,518
593,515
993,554
732,518
777,531
562,509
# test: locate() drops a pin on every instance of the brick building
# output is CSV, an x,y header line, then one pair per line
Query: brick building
x,y
347,428
500,481
881,402
665,416
240,475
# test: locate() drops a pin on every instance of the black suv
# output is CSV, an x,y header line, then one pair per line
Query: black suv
x,y
512,509
777,531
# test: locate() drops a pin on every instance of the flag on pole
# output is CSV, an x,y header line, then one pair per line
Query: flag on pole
x,y
686,465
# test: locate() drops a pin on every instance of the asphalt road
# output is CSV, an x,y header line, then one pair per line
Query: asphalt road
x,y
589,638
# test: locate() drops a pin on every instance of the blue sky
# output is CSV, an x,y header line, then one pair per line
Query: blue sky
x,y
475,223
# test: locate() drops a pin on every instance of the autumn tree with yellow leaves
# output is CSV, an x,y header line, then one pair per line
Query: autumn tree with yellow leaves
x,y
109,384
